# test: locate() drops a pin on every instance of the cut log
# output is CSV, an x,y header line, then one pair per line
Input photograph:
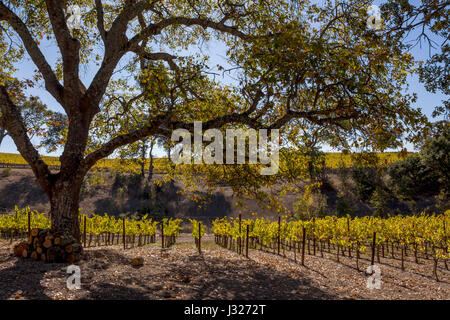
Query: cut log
x,y
70,258
43,233
68,248
34,255
60,255
57,241
34,232
18,249
51,255
47,244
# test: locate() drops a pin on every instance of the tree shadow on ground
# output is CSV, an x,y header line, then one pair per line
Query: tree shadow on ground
x,y
249,280
200,277
25,277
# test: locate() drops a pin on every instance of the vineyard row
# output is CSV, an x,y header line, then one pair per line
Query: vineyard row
x,y
424,237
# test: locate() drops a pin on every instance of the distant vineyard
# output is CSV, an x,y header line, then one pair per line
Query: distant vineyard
x,y
12,159
335,160
332,160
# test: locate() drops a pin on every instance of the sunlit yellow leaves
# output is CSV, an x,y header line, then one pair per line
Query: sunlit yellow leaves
x,y
346,232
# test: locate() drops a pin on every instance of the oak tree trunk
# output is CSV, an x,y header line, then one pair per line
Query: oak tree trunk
x,y
64,206
2,135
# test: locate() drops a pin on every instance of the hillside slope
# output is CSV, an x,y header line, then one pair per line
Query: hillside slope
x,y
106,193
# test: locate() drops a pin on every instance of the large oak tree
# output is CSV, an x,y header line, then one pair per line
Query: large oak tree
x,y
290,59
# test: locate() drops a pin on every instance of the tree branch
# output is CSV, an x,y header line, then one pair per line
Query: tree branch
x,y
156,127
51,82
117,44
157,56
69,47
121,140
13,122
155,29
100,19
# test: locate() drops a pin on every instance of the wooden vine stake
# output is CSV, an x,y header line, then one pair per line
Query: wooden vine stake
x,y
445,241
295,251
162,234
246,243
199,238
403,257
29,226
314,236
279,233
239,244
373,248
84,231
435,263
357,255
348,230
124,239
303,246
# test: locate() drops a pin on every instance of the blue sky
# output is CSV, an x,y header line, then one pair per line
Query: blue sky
x,y
425,100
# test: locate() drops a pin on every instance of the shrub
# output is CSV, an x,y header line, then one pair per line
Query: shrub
x,y
122,192
344,207
365,179
412,177
155,210
7,172
310,205
134,181
119,181
378,202
436,157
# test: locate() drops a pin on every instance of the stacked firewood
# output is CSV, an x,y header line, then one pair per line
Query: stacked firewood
x,y
49,246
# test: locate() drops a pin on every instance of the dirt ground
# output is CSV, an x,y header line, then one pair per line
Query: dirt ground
x,y
218,273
